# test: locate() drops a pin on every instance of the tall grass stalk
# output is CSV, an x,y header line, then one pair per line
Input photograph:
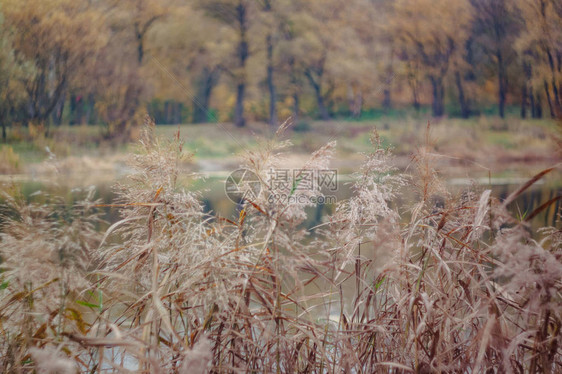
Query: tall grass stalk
x,y
462,286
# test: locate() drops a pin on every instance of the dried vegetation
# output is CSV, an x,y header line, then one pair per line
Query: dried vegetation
x,y
171,288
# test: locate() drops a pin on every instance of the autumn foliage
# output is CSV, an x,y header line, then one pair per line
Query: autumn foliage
x,y
104,61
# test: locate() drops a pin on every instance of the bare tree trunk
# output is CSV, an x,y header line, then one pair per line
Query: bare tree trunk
x,y
201,108
463,102
548,99
387,100
243,52
413,83
90,109
79,110
358,105
202,101
296,107
3,119
528,93
438,106
389,76
270,70
167,111
295,84
323,111
72,104
355,98
271,82
59,109
502,84
538,106
524,101
321,105
239,119
140,33
557,106
557,102
179,109
140,48
415,97
532,103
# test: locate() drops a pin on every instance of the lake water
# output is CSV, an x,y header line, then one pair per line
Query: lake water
x,y
212,190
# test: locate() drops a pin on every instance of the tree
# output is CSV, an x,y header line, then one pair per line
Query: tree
x,y
205,82
238,15
118,85
193,49
539,43
464,66
380,45
430,32
309,44
54,39
10,75
269,43
495,30
289,65
141,15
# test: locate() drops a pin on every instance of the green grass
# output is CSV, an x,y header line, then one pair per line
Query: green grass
x,y
28,152
455,137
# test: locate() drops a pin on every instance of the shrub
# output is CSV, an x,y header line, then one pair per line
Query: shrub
x,y
9,160
302,126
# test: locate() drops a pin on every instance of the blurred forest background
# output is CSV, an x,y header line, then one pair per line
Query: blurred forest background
x,y
281,286
193,61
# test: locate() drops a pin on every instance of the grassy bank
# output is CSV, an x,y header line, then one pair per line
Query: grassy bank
x,y
500,145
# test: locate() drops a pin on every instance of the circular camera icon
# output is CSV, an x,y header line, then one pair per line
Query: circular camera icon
x,y
242,184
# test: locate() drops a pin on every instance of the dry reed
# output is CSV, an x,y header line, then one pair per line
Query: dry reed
x,y
460,287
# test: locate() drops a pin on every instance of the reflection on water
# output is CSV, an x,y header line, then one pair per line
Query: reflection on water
x,y
213,197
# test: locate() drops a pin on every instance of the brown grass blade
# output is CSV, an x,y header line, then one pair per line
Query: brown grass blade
x,y
542,207
527,184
